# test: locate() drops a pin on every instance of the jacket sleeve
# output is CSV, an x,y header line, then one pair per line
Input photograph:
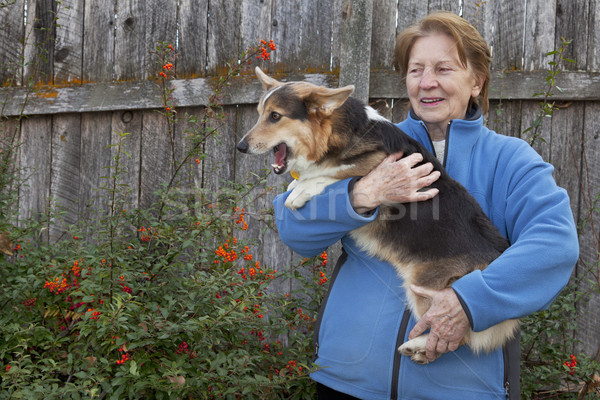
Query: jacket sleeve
x,y
321,222
544,248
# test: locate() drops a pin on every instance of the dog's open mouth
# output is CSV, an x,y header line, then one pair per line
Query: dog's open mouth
x,y
281,153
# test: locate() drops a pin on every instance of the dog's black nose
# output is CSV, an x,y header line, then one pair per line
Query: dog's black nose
x,y
242,146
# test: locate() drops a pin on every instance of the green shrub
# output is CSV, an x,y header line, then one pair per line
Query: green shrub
x,y
161,302
549,369
155,311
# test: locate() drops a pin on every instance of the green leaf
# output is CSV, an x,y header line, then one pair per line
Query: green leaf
x,y
133,368
81,374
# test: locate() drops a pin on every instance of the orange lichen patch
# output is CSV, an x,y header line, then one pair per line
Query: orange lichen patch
x,y
72,82
46,90
189,76
48,94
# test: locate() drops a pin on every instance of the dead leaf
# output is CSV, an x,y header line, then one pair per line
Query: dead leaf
x,y
594,383
6,245
178,380
91,359
51,312
144,326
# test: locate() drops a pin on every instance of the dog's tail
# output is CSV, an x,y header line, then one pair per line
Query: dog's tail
x,y
493,337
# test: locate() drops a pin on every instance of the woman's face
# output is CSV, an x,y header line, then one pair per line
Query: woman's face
x,y
439,87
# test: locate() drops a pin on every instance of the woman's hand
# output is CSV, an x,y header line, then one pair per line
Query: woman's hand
x,y
446,318
395,180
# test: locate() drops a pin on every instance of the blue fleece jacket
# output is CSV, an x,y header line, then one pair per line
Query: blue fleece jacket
x,y
363,318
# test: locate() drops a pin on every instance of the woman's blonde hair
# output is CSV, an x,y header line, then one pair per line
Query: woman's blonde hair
x,y
472,48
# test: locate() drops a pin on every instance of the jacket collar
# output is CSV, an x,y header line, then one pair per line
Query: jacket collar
x,y
461,137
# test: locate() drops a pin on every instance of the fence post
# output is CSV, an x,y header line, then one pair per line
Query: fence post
x,y
355,46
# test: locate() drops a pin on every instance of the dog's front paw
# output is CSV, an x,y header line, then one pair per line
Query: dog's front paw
x,y
292,184
297,199
415,349
304,190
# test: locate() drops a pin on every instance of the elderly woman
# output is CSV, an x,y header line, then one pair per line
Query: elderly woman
x,y
364,317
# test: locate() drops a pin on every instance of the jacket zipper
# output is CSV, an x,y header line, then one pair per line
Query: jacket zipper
x,y
506,373
397,355
334,275
446,144
447,138
511,353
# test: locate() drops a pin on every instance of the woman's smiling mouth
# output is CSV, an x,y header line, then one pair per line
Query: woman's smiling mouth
x,y
431,100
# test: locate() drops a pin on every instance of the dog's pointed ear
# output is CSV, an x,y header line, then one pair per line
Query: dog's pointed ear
x,y
325,100
267,82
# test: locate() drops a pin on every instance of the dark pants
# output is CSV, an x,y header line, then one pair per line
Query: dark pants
x,y
327,393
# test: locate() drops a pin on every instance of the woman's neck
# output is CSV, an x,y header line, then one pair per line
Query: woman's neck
x,y
437,131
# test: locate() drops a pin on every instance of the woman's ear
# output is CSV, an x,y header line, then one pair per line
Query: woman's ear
x,y
477,86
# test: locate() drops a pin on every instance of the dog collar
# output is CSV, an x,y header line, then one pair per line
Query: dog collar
x,y
294,174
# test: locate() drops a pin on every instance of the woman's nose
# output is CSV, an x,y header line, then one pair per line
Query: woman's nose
x,y
428,79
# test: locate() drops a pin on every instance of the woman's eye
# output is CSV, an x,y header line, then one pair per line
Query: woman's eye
x,y
275,116
415,71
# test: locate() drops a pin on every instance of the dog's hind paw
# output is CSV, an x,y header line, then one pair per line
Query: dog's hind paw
x,y
415,355
415,349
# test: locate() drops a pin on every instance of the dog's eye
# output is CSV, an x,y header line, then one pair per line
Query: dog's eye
x,y
275,116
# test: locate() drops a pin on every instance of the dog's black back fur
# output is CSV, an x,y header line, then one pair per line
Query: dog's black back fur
x,y
450,226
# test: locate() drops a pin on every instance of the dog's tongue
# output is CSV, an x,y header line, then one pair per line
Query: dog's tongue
x,y
280,158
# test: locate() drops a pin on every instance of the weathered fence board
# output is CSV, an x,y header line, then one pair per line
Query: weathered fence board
x,y
39,52
594,38
69,42
160,27
504,117
64,173
565,149
130,40
126,138
303,29
572,23
9,138
36,161
589,238
383,34
222,29
11,53
140,95
507,49
539,34
409,13
98,41
156,157
94,163
191,61
97,128
355,45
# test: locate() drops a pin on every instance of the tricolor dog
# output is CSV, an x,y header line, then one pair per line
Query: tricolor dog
x,y
323,135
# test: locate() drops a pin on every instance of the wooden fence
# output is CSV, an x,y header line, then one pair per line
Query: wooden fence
x,y
81,70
